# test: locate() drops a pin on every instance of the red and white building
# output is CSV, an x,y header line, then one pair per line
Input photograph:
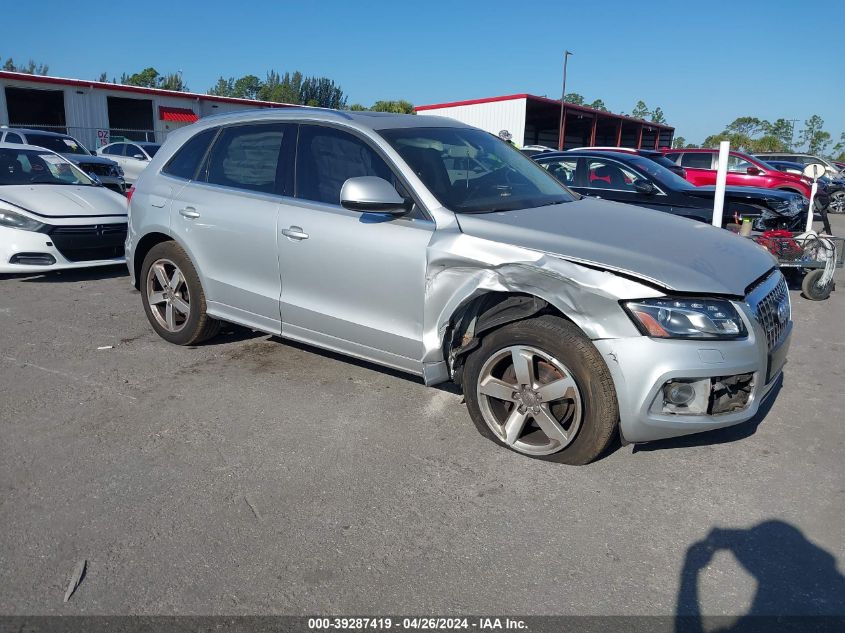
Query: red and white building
x,y
96,112
533,120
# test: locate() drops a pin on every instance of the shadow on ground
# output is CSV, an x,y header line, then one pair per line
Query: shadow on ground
x,y
798,585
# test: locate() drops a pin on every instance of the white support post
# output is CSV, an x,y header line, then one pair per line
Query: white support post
x,y
721,178
813,190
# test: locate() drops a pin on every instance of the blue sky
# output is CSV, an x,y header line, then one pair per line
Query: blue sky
x,y
704,64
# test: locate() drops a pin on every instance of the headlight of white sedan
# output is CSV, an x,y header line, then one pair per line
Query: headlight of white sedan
x,y
15,220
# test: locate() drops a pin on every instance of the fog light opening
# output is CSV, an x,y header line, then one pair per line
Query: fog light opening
x,y
678,393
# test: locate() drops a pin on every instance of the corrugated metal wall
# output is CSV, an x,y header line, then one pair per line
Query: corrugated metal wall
x,y
493,116
86,109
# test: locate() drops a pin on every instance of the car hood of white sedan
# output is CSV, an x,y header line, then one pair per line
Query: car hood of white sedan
x,y
65,201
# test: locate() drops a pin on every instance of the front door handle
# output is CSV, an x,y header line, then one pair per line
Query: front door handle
x,y
189,212
295,233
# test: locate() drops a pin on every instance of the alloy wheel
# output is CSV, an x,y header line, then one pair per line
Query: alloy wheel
x,y
168,295
530,400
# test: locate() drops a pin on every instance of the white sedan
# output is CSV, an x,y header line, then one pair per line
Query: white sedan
x,y
53,216
132,156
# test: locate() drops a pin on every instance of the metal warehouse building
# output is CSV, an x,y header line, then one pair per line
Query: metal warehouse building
x,y
96,112
536,120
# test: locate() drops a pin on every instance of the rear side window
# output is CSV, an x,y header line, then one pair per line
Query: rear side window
x,y
187,159
247,157
327,157
134,150
673,156
697,160
115,150
13,138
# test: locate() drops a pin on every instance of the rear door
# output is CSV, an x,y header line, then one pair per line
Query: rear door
x,y
351,281
700,167
226,216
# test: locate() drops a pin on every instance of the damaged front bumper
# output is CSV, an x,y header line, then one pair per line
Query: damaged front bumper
x,y
642,366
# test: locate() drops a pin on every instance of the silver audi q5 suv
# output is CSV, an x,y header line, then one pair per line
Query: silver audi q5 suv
x,y
432,247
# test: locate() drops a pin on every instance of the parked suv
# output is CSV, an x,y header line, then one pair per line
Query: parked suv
x,y
428,246
743,170
105,170
831,169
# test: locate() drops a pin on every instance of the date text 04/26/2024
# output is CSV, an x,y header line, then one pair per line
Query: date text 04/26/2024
x,y
416,623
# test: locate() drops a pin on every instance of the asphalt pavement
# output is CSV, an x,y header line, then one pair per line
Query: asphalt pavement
x,y
254,476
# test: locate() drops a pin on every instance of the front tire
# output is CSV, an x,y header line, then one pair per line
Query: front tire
x,y
173,296
541,388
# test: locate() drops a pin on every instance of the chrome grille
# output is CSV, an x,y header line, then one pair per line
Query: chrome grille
x,y
98,169
772,312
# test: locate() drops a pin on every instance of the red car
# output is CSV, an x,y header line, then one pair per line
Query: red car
x,y
743,170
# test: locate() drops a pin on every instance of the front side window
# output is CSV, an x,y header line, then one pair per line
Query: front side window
x,y
697,160
327,157
20,167
737,164
133,151
151,149
247,157
562,169
186,161
608,174
471,171
58,144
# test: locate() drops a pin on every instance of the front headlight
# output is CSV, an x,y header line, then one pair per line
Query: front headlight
x,y
680,317
16,220
118,170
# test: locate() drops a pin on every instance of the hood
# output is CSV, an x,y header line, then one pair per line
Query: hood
x,y
674,253
64,201
91,160
744,193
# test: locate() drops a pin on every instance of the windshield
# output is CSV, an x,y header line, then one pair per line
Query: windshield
x,y
60,144
29,166
659,172
471,171
151,149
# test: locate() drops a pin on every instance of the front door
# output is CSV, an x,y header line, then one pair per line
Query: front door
x,y
227,217
351,281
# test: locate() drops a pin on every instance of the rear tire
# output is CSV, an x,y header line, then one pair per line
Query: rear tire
x,y
173,297
560,406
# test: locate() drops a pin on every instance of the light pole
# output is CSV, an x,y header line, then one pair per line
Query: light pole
x,y
566,55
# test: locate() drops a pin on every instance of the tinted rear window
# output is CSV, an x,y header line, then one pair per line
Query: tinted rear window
x,y
697,160
187,159
247,157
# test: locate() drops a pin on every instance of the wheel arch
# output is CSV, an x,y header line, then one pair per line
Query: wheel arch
x,y
485,313
145,244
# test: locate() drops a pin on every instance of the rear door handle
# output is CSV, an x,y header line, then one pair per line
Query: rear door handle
x,y
295,233
189,212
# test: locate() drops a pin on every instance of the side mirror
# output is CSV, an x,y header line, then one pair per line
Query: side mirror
x,y
641,185
140,157
753,171
370,194
96,179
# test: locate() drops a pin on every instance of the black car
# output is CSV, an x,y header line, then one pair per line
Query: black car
x,y
652,154
634,179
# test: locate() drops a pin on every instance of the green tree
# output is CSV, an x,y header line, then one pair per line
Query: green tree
x,y
103,77
748,126
839,149
399,107
173,81
598,104
767,143
31,68
814,136
247,87
782,130
574,98
657,116
679,142
223,87
147,78
357,107
640,111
